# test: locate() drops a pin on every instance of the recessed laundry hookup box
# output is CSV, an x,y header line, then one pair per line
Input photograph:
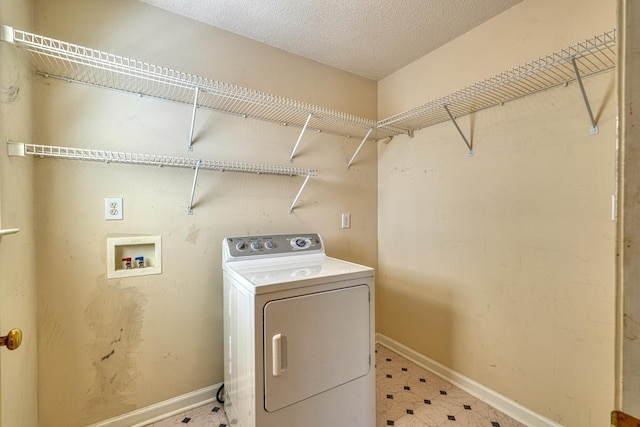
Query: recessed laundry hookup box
x,y
134,256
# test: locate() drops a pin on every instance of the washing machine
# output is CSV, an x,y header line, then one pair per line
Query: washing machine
x,y
299,334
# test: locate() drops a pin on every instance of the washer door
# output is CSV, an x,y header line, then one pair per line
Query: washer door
x,y
313,343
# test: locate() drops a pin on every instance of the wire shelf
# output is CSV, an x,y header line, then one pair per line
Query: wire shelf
x,y
22,149
71,62
592,56
159,160
54,58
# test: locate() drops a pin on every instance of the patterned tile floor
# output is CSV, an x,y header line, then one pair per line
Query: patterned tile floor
x,y
406,396
209,415
410,396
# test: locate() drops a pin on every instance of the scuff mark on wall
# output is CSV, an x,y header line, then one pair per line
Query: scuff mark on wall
x,y
192,237
51,326
9,94
115,316
631,326
10,76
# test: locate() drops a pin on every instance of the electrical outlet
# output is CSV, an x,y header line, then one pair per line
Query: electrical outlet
x,y
346,220
113,208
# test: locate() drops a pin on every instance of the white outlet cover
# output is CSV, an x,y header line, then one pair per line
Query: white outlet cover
x,y
113,208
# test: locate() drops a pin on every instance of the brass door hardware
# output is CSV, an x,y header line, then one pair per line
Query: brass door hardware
x,y
12,340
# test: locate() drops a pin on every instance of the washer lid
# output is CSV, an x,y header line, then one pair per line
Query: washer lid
x,y
296,272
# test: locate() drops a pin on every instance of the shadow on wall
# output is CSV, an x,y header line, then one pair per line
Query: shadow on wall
x,y
424,302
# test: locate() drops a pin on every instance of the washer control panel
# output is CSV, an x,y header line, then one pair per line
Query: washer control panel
x,y
272,245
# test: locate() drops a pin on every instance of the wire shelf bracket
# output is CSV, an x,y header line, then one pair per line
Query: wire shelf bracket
x,y
464,138
193,188
594,127
7,231
304,128
193,118
21,149
295,200
359,148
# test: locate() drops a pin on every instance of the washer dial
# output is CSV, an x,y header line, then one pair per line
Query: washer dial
x,y
300,242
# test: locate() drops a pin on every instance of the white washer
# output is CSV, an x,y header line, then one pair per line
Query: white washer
x,y
299,334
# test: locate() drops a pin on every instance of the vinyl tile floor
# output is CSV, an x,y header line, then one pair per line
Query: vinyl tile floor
x,y
406,396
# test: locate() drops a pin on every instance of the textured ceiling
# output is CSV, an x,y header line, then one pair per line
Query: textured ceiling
x,y
370,38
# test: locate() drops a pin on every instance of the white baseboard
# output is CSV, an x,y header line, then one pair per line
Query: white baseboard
x,y
159,411
498,401
150,414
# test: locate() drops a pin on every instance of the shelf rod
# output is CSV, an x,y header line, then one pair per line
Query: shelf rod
x,y
193,118
193,188
295,200
304,128
464,138
594,127
359,147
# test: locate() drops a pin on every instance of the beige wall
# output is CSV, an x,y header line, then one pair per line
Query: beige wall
x,y
164,333
18,368
501,266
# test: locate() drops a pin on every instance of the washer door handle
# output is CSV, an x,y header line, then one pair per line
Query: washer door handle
x,y
279,354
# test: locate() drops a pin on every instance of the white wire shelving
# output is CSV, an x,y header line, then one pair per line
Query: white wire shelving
x,y
71,62
587,58
22,149
58,59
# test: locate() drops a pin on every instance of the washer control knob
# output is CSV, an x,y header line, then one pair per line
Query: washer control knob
x,y
268,244
300,243
241,246
255,245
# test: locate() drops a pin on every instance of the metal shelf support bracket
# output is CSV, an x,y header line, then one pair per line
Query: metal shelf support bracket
x,y
594,127
193,118
193,188
464,138
359,148
295,200
304,128
7,231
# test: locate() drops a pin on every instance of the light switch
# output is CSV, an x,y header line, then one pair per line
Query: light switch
x,y
346,220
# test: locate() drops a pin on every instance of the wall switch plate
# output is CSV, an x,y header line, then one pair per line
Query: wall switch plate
x,y
346,220
113,208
